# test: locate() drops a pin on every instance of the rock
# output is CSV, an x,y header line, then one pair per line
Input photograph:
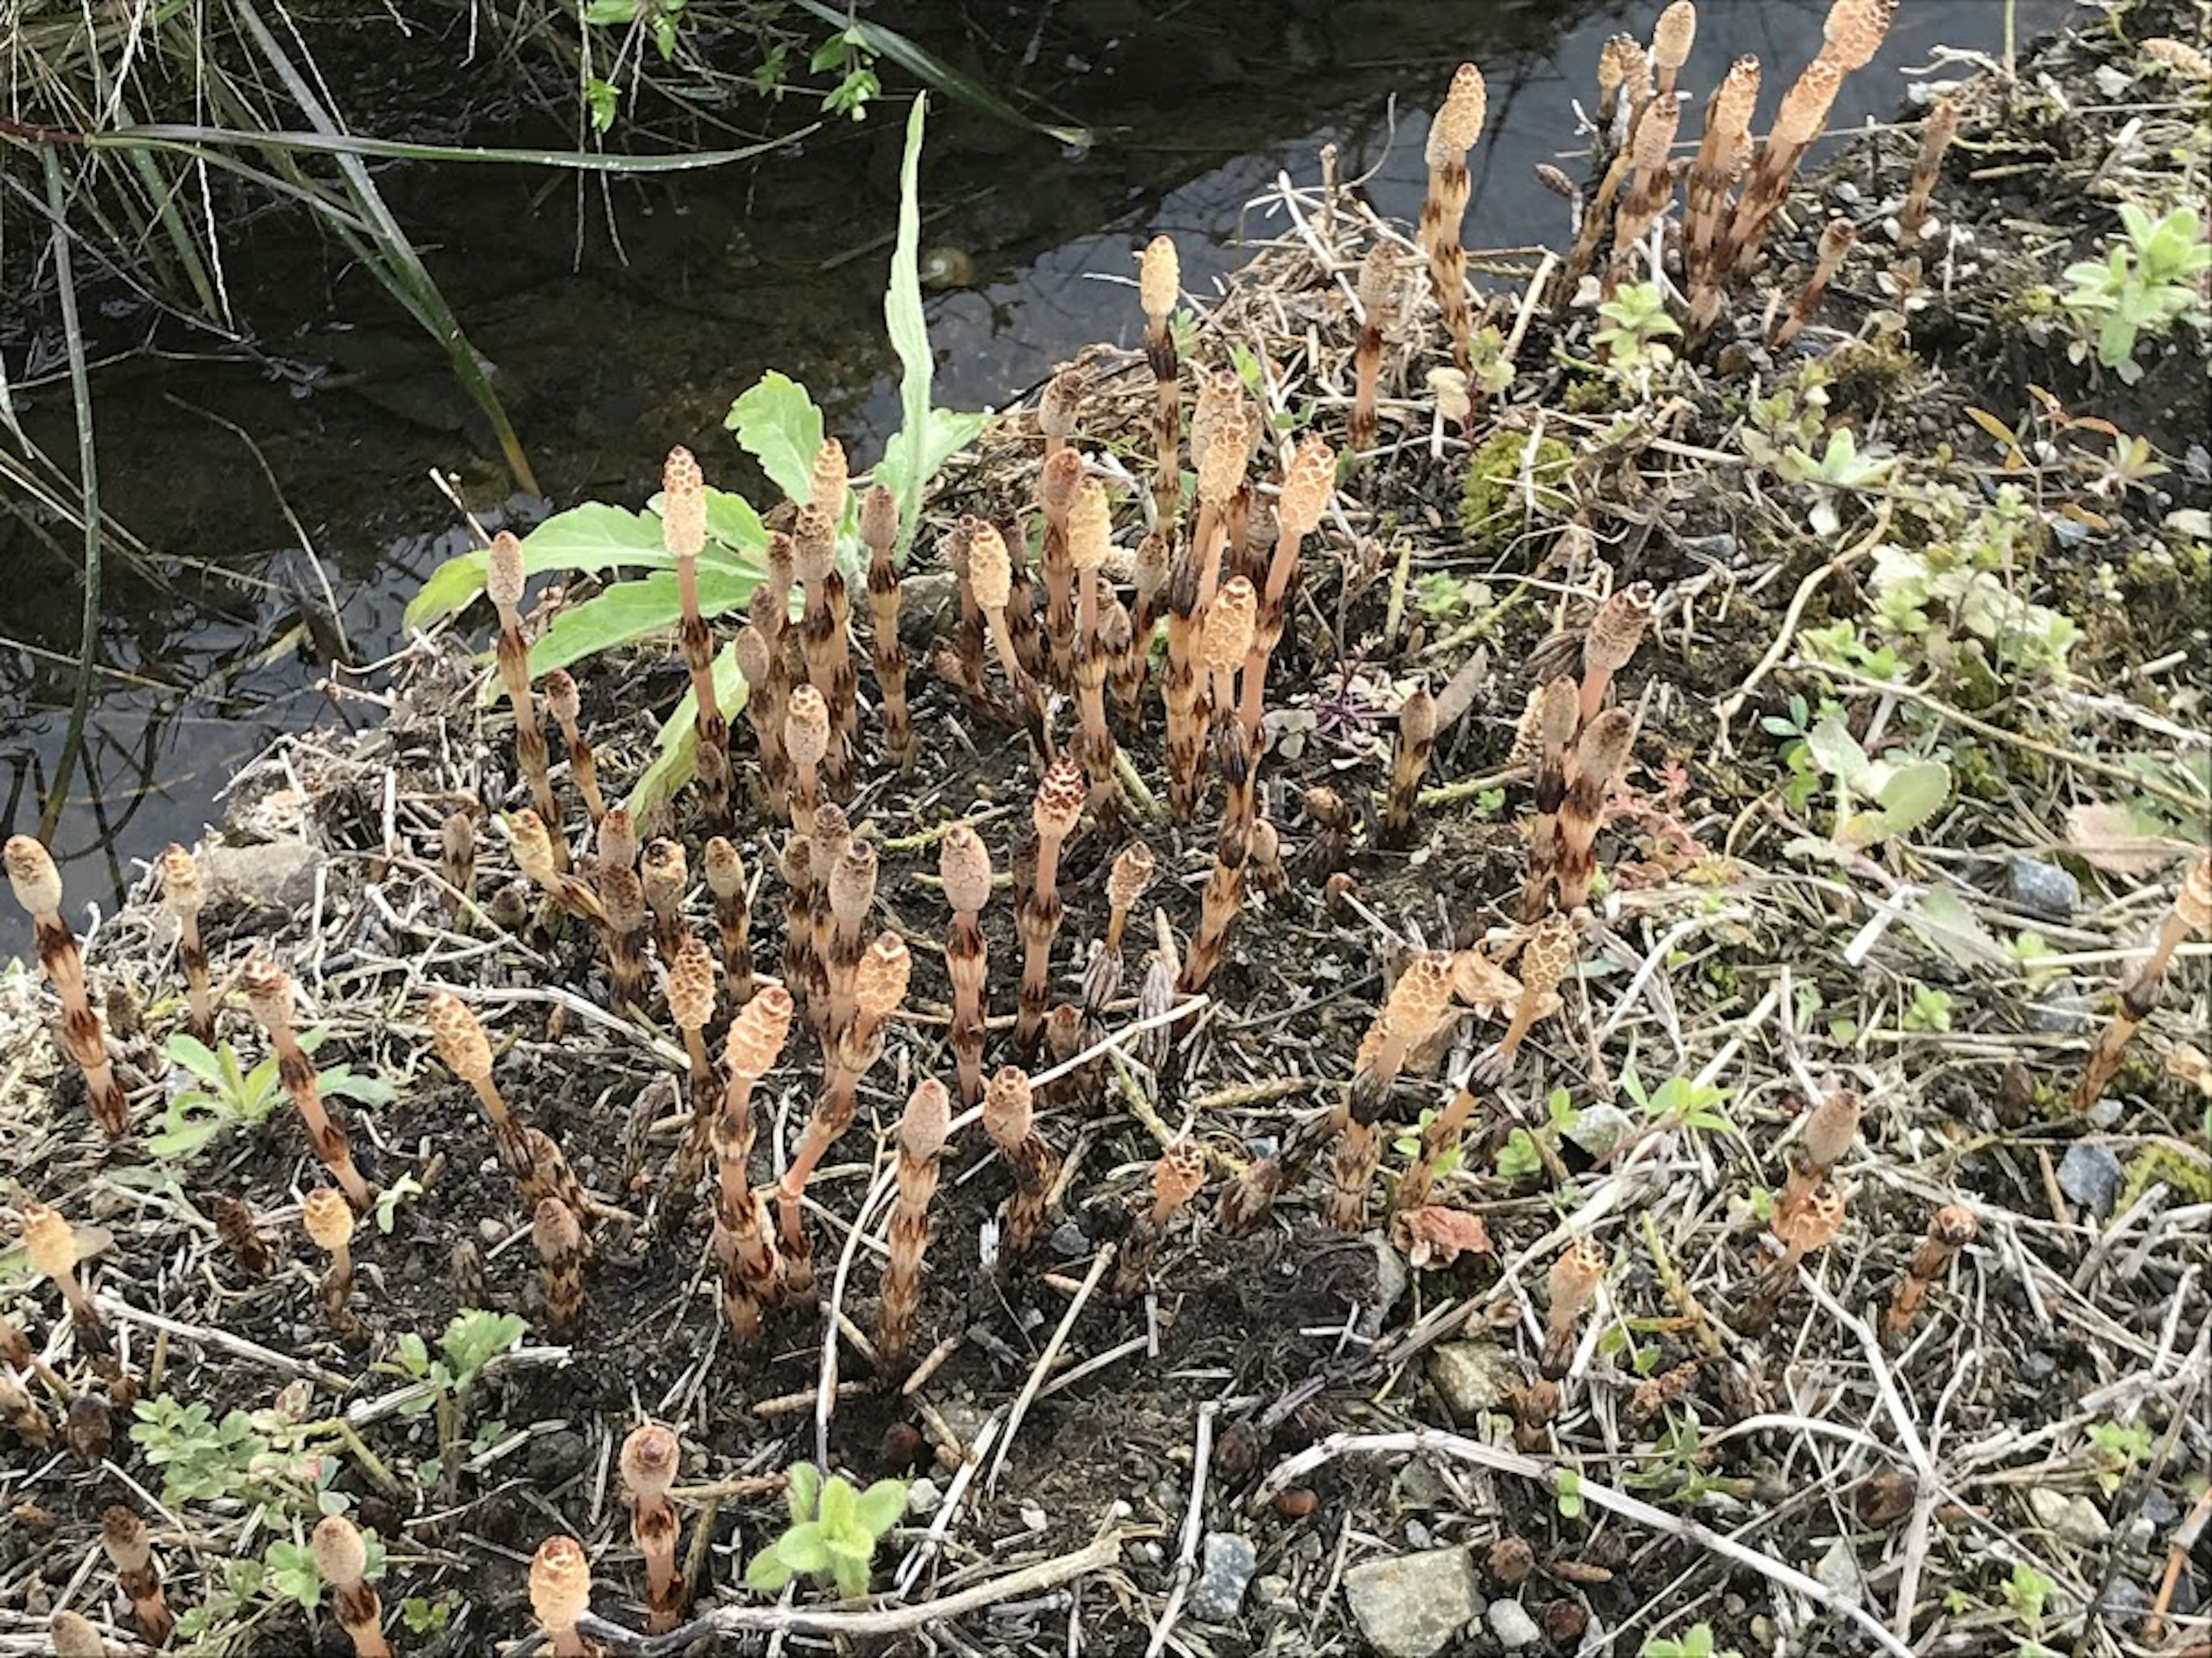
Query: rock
x,y
1272,1590
2091,1176
2159,1508
1837,1570
1510,1622
280,872
1391,1278
2038,1367
1069,1242
2049,1507
922,1497
1598,1128
2046,889
1228,1564
2123,1600
2060,1008
1412,1605
2083,1525
1472,1377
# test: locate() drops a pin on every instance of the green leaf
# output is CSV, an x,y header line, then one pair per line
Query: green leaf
x,y
778,425
1836,751
473,1337
195,1057
292,1574
769,1571
731,522
604,12
1907,797
933,71
593,537
369,1091
630,610
882,1506
909,332
839,1502
678,742
804,1547
803,1492
947,431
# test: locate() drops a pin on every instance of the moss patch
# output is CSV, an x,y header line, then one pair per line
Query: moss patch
x,y
1493,505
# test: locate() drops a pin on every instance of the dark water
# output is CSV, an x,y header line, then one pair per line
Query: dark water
x,y
248,481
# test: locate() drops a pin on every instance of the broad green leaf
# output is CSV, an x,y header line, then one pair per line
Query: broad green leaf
x,y
947,433
768,1572
592,538
1906,799
909,332
194,1056
778,425
630,610
731,522
369,1091
804,1548
1836,751
852,1544
882,1506
678,742
839,1500
803,1492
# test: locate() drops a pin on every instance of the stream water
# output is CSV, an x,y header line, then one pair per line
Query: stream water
x,y
623,321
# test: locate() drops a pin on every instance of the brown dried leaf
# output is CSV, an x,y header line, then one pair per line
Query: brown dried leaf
x,y
1434,1235
2108,838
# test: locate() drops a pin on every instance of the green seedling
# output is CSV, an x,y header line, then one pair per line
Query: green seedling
x,y
1695,1642
223,1094
1678,1102
470,1341
833,1534
2147,283
1839,469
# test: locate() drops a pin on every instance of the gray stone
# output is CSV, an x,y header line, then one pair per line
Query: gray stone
x,y
1837,1570
2123,1600
1412,1605
1510,1622
922,1497
1472,1377
1391,1278
2091,1176
1228,1564
2046,889
2049,1507
1070,1241
1598,1128
2037,1367
2083,1525
1271,1590
2060,1008
2159,1508
280,872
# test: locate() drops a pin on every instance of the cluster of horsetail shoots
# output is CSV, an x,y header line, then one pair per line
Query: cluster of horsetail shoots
x,y
759,660
963,864
328,1219
1573,1283
1178,1175
923,1127
341,1557
1453,130
1008,1118
561,1594
566,704
123,1539
2192,913
1950,1229
990,582
269,994
182,894
503,582
648,1465
823,640
1418,1007
544,863
38,886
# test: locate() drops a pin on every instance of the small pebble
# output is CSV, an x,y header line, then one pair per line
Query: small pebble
x,y
2046,889
1846,193
2038,1367
1033,1519
923,1498
2123,1600
2159,1508
490,1230
2091,1176
1271,1590
1261,1147
1070,1241
1510,1622
1228,1564
1837,1570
